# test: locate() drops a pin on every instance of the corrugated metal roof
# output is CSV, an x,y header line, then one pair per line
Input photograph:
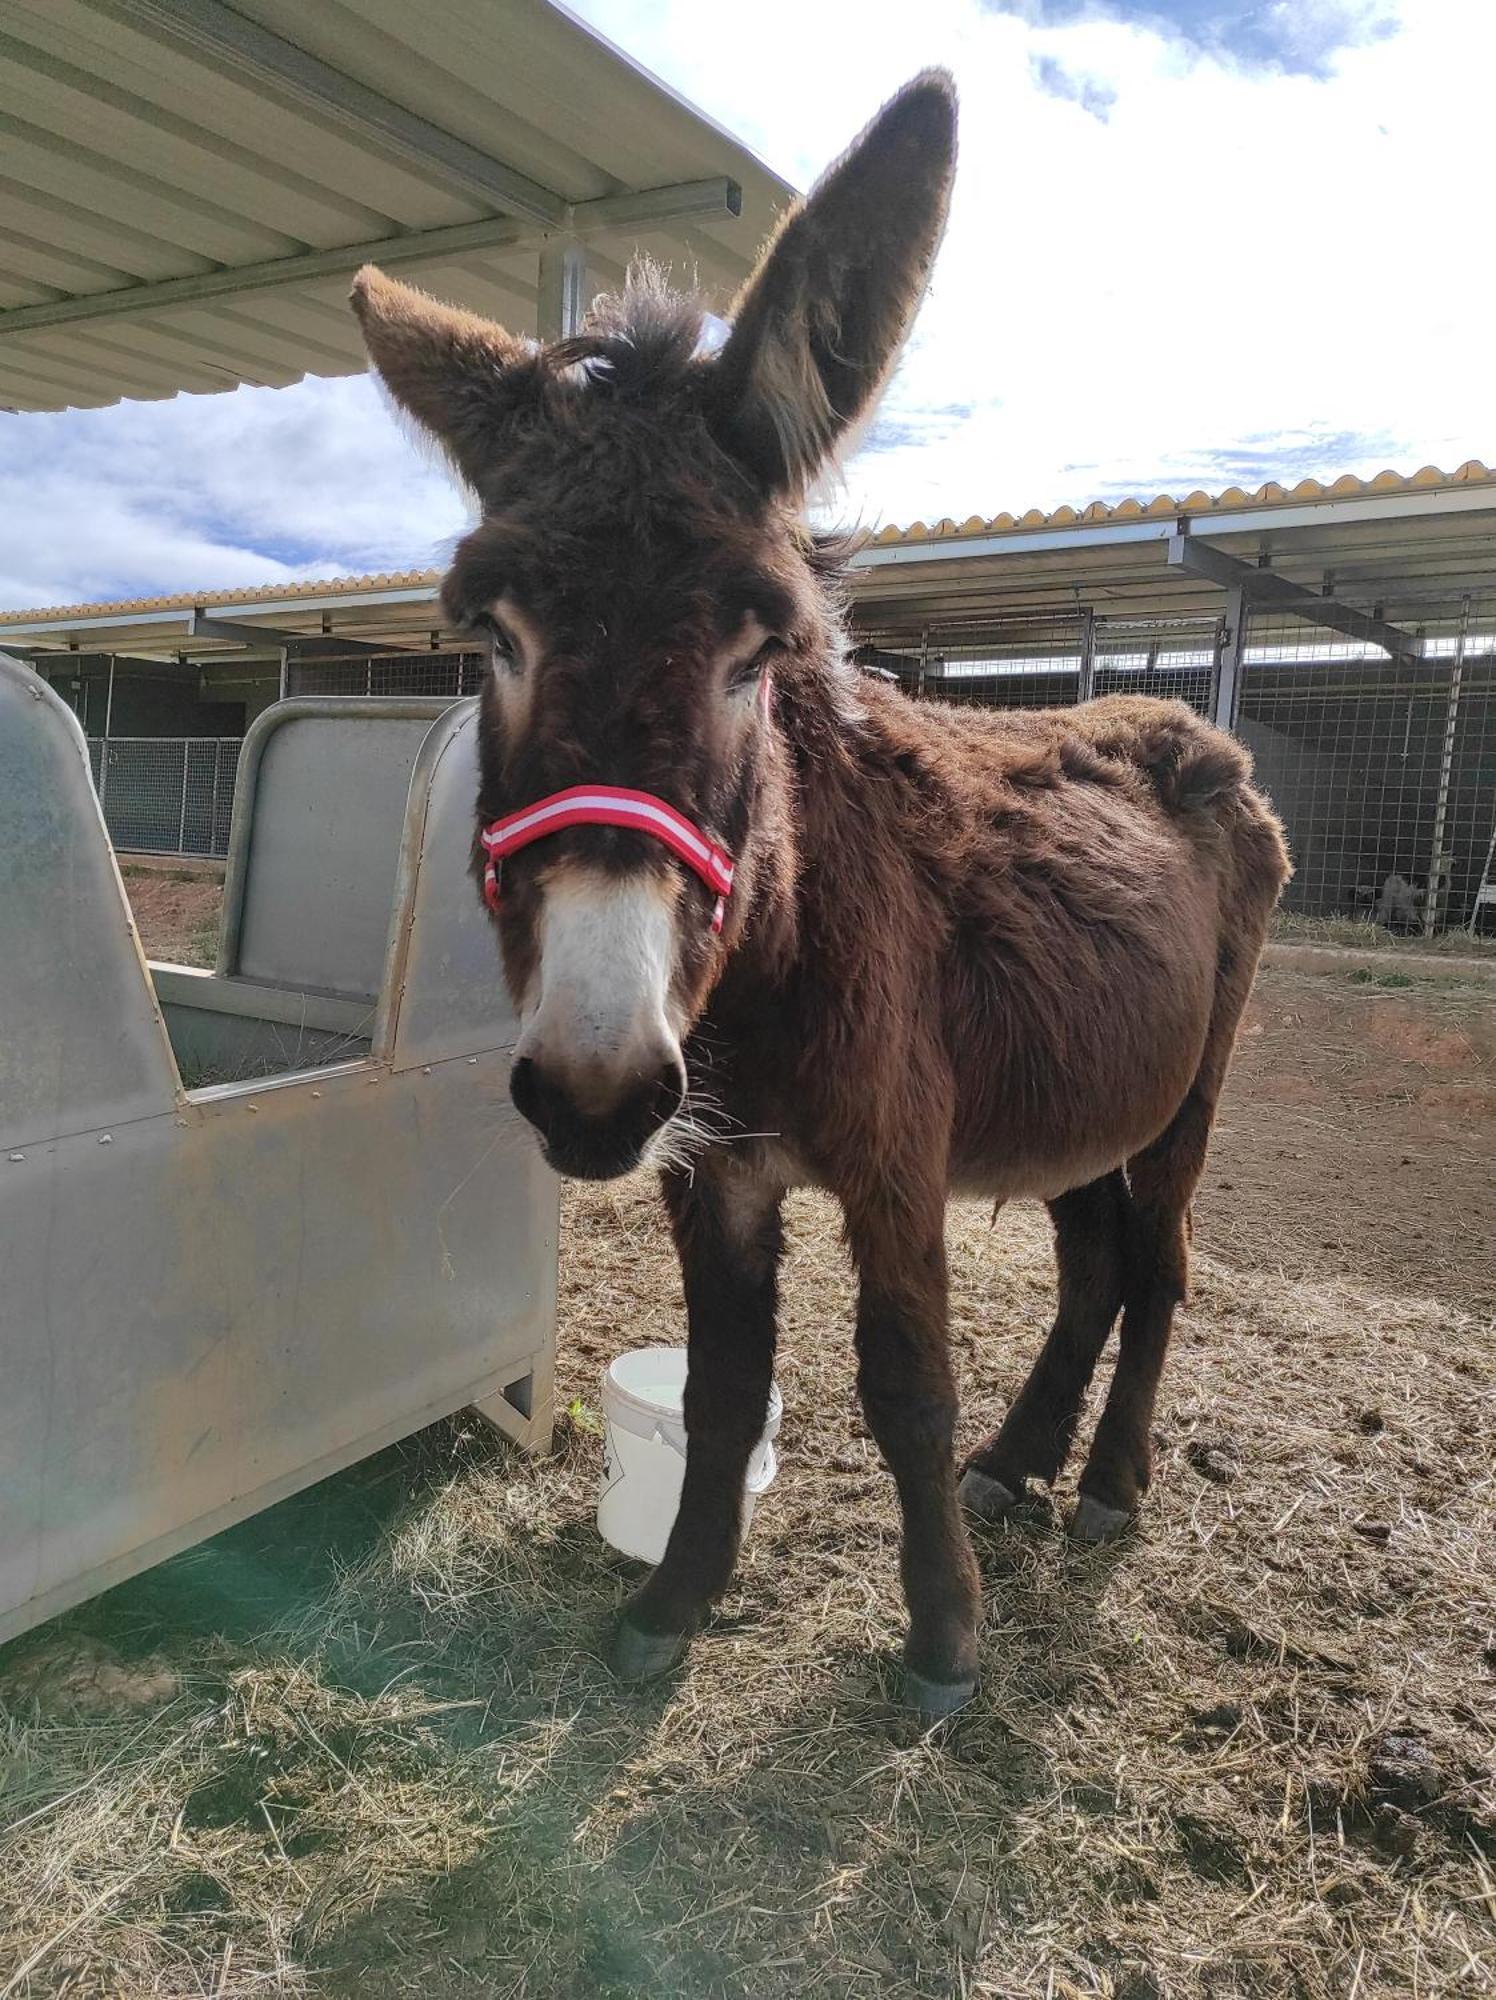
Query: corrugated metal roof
x,y
1096,548
187,186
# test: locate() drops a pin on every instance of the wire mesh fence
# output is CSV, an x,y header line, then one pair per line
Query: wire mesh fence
x,y
1049,659
1383,769
1029,660
1173,659
450,674
166,794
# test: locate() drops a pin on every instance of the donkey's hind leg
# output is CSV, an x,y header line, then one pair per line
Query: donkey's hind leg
x,y
1162,1180
1091,1228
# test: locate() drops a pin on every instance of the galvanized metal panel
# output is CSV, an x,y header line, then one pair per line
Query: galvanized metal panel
x,y
252,1284
318,819
445,992
226,1301
82,1047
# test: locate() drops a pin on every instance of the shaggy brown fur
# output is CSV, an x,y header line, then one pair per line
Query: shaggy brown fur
x,y
1002,952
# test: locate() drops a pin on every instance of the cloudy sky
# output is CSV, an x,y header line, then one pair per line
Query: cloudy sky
x,y
1194,243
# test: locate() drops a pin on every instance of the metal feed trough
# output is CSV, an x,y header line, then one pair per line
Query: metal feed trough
x,y
212,1296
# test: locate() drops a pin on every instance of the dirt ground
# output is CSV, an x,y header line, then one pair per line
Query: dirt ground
x,y
366,1745
176,907
1358,1134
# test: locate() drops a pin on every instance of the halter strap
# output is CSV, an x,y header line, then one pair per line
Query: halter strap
x,y
609,805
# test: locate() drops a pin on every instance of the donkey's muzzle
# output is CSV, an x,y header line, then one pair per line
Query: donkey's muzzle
x,y
589,1136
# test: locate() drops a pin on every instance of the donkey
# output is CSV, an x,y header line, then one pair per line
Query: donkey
x,y
896,950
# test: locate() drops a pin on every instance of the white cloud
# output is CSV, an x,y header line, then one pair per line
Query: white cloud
x,y
1233,274
1167,268
260,486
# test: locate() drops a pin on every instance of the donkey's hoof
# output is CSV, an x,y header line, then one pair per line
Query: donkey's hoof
x,y
933,1701
644,1656
1093,1521
984,1496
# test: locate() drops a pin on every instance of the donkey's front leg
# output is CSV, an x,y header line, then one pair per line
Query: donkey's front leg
x,y
908,1392
727,1230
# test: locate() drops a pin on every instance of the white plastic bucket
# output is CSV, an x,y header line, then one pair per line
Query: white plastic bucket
x,y
645,1451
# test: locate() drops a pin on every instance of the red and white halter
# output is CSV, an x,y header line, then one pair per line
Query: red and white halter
x,y
609,805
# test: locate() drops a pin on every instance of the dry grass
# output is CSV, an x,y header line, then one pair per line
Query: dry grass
x,y
367,1746
1291,928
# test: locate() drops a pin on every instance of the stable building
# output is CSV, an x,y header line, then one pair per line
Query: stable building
x,y
1347,632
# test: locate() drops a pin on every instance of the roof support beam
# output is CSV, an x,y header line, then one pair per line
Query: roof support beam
x,y
561,298
1261,586
277,638
716,196
246,50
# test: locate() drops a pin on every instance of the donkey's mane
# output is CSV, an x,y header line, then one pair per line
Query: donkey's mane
x,y
643,338
646,340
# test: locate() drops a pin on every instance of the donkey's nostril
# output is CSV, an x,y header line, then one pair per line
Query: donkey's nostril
x,y
585,1133
669,1092
529,1094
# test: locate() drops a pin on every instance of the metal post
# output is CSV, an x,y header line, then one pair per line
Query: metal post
x,y
1085,685
285,654
182,823
1436,860
217,789
1230,657
104,746
562,297
1481,885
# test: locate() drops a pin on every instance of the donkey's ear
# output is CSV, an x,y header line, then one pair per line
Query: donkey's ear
x,y
446,367
820,323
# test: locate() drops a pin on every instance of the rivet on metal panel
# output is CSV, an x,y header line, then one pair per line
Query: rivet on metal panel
x,y
18,1156
251,1108
425,1069
316,1093
472,1062
106,1138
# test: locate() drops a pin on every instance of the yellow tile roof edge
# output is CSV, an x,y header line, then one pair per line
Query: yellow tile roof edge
x,y
1272,494
215,600
1269,495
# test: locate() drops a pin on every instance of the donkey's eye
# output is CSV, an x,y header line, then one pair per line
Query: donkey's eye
x,y
505,652
751,672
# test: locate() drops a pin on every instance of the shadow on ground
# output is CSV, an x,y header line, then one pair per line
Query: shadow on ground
x,y
406,1759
